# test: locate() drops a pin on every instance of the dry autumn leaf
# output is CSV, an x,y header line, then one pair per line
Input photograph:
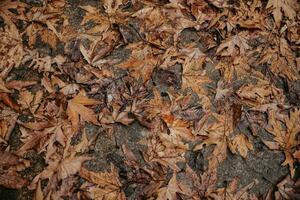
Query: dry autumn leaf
x,y
231,193
229,47
77,108
284,138
170,191
240,144
286,7
161,90
141,61
60,169
103,185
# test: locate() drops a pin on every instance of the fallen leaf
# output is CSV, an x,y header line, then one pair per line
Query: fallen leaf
x,y
286,7
284,138
12,180
25,99
104,185
240,144
77,107
227,48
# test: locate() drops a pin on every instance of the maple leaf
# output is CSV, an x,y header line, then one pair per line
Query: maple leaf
x,y
46,138
231,193
11,163
240,144
7,100
92,14
165,150
156,106
108,117
25,99
3,87
77,107
250,15
281,60
193,74
170,191
8,120
236,70
229,45
141,61
283,6
201,11
60,168
102,185
47,36
263,92
111,6
12,180
217,134
178,128
198,187
286,189
285,138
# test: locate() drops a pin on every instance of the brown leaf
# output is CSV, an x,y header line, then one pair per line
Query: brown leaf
x,y
141,61
38,192
3,87
170,191
285,138
288,7
239,41
60,169
18,85
231,193
8,159
263,92
25,99
287,189
104,185
12,180
36,126
7,100
77,107
111,6
49,37
240,144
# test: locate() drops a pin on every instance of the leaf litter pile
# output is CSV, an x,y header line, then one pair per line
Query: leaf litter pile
x,y
150,99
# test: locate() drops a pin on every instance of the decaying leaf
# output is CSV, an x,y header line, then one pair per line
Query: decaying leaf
x,y
286,7
170,191
231,193
60,169
229,46
175,83
240,144
77,107
141,62
102,185
284,137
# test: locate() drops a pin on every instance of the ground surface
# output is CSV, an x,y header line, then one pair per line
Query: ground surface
x,y
182,105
